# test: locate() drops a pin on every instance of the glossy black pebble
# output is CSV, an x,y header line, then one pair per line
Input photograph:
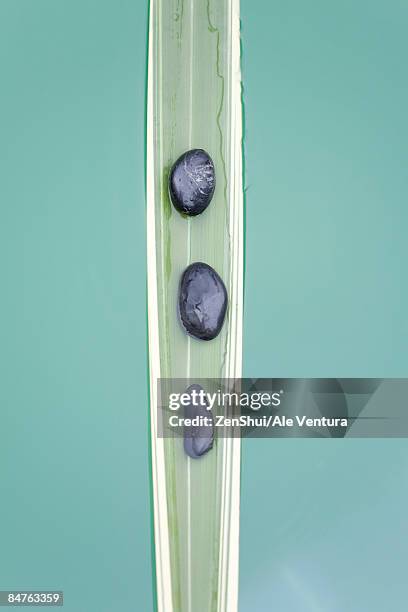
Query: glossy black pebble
x,y
203,301
198,439
192,182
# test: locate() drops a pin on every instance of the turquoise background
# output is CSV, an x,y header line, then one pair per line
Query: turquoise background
x,y
323,523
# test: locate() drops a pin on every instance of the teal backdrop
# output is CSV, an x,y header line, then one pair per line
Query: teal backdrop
x,y
326,91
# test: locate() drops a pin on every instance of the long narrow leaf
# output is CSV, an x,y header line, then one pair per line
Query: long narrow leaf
x,y
194,101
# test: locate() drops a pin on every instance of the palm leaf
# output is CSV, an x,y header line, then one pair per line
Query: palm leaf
x,y
194,101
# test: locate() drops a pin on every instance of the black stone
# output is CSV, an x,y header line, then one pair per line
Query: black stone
x,y
192,182
198,439
203,301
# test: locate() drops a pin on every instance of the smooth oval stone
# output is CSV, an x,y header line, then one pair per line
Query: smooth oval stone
x,y
192,182
203,301
198,439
